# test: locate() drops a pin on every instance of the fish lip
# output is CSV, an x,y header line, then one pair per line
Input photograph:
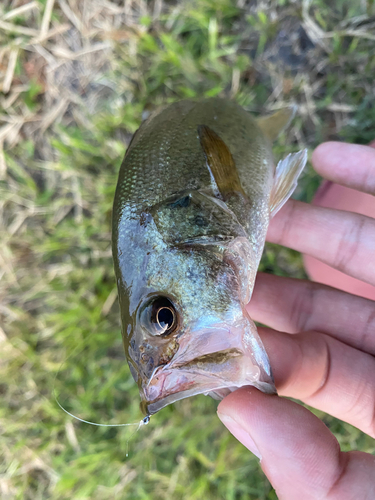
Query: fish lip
x,y
210,371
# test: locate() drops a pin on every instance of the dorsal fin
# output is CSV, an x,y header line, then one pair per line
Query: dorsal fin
x,y
220,162
273,125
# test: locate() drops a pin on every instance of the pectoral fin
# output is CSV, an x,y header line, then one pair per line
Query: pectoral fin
x,y
273,125
286,177
220,162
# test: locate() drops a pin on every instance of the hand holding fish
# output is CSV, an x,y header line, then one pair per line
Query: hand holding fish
x,y
321,345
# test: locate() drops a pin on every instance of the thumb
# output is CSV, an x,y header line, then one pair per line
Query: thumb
x,y
297,452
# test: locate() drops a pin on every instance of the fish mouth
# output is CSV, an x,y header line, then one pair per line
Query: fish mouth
x,y
212,361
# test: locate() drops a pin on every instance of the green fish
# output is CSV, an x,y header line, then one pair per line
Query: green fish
x,y
195,194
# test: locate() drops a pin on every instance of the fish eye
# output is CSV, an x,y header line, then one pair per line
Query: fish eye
x,y
160,317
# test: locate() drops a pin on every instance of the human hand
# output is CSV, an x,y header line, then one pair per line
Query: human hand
x,y
326,357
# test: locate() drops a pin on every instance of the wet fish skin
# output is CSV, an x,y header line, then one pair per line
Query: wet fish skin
x,y
191,212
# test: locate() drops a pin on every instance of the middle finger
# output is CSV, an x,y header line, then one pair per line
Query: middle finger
x,y
343,240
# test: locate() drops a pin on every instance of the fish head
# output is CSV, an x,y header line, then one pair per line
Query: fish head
x,y
186,330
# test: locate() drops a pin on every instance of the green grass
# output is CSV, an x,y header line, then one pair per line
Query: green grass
x,y
58,176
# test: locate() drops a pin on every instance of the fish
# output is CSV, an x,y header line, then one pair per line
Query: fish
x,y
194,197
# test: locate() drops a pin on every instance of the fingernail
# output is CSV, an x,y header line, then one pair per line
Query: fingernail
x,y
240,433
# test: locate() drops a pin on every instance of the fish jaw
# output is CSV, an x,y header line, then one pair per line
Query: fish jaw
x,y
213,361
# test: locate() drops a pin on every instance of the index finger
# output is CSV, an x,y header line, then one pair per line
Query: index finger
x,y
351,165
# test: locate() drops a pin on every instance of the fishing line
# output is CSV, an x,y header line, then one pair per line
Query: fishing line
x,y
142,422
139,424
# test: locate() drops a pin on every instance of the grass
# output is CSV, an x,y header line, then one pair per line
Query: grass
x,y
74,80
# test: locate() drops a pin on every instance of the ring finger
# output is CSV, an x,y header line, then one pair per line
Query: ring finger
x,y
292,306
324,373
